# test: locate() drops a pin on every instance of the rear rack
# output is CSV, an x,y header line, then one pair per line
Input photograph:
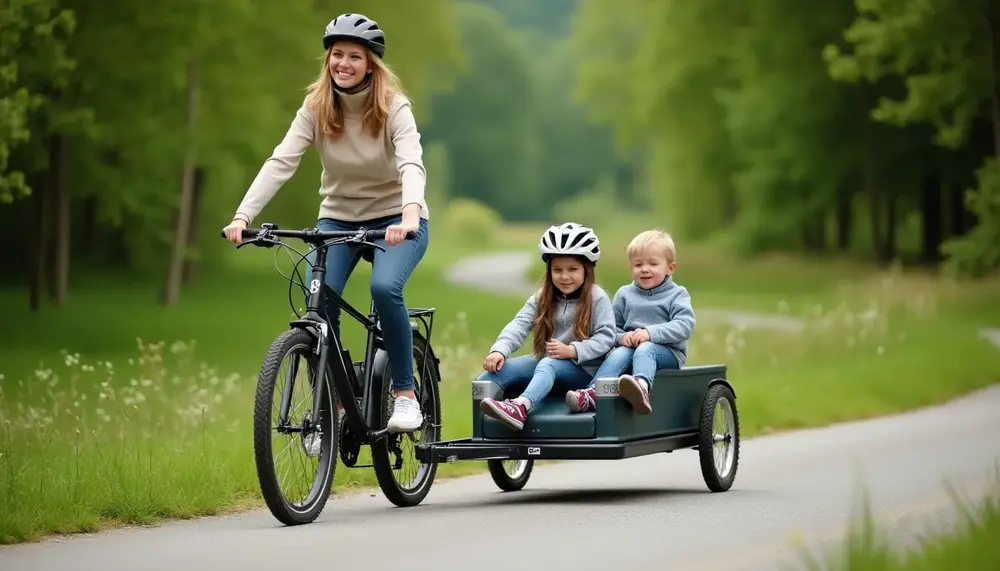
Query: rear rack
x,y
550,449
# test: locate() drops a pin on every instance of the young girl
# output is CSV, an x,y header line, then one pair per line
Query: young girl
x,y
572,321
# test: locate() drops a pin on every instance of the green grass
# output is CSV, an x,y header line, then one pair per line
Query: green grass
x,y
972,544
71,460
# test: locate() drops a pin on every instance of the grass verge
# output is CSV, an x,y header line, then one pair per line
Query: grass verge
x,y
972,544
98,435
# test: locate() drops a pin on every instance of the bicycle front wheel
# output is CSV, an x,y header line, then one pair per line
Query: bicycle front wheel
x,y
295,456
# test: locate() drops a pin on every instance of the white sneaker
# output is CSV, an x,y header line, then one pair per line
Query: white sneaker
x,y
406,416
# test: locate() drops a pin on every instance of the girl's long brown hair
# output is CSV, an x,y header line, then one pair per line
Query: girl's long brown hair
x,y
546,308
327,107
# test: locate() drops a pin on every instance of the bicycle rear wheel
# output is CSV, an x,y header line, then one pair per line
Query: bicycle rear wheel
x,y
307,450
389,455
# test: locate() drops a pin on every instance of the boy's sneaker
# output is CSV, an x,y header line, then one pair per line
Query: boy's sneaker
x,y
511,413
406,416
581,400
635,392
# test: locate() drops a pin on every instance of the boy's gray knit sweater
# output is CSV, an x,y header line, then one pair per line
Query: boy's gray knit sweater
x,y
664,311
589,352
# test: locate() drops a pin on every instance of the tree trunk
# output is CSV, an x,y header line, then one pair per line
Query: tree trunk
x,y
889,245
58,281
995,91
88,228
39,244
190,272
932,227
844,219
178,250
814,233
875,201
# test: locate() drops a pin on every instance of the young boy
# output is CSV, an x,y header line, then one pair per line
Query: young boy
x,y
654,320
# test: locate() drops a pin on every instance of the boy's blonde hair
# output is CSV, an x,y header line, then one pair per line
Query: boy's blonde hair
x,y
657,241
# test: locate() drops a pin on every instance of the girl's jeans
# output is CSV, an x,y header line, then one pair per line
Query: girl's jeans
x,y
645,359
540,374
390,271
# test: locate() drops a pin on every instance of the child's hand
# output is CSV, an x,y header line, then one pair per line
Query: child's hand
x,y
627,339
635,337
494,362
559,350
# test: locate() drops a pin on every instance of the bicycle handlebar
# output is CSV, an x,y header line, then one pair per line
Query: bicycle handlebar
x,y
314,236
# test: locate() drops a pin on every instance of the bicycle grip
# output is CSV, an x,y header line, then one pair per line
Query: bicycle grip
x,y
380,234
247,233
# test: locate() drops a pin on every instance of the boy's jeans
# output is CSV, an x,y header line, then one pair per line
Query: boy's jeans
x,y
542,374
645,359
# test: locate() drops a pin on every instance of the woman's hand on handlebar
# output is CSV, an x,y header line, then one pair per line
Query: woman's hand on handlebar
x,y
234,232
396,233
494,362
410,222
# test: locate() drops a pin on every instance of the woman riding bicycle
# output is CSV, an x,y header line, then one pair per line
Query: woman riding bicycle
x,y
358,118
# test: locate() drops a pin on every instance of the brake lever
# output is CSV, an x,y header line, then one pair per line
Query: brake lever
x,y
261,240
357,239
367,243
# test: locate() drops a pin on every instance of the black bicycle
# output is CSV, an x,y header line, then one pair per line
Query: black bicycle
x,y
361,388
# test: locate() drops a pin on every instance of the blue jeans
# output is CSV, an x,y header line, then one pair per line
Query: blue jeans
x,y
541,375
390,270
645,360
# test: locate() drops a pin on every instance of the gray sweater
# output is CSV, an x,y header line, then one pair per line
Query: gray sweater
x,y
664,311
589,352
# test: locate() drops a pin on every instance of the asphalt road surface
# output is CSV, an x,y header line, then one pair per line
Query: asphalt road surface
x,y
651,512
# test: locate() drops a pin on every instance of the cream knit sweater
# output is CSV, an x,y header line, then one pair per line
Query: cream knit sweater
x,y
363,177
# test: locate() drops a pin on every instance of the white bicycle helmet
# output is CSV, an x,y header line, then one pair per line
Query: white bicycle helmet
x,y
570,239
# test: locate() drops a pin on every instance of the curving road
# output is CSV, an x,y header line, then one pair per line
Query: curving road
x,y
651,512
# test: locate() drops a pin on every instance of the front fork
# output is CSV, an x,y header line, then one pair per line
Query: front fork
x,y
286,394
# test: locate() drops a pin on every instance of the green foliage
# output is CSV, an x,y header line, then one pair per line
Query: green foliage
x,y
32,46
599,207
491,140
471,221
943,49
978,252
438,166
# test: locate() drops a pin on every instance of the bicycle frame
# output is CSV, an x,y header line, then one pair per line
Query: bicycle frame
x,y
359,416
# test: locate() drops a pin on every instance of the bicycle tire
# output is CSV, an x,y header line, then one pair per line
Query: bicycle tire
x,y
429,394
283,510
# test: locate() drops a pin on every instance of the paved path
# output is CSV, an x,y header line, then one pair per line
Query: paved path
x,y
652,512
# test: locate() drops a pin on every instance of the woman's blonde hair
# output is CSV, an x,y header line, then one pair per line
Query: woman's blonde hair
x,y
323,101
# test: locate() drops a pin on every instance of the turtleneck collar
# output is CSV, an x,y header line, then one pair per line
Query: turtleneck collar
x,y
575,294
664,286
353,100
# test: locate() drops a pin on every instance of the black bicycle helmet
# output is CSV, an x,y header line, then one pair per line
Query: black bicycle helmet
x,y
357,27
